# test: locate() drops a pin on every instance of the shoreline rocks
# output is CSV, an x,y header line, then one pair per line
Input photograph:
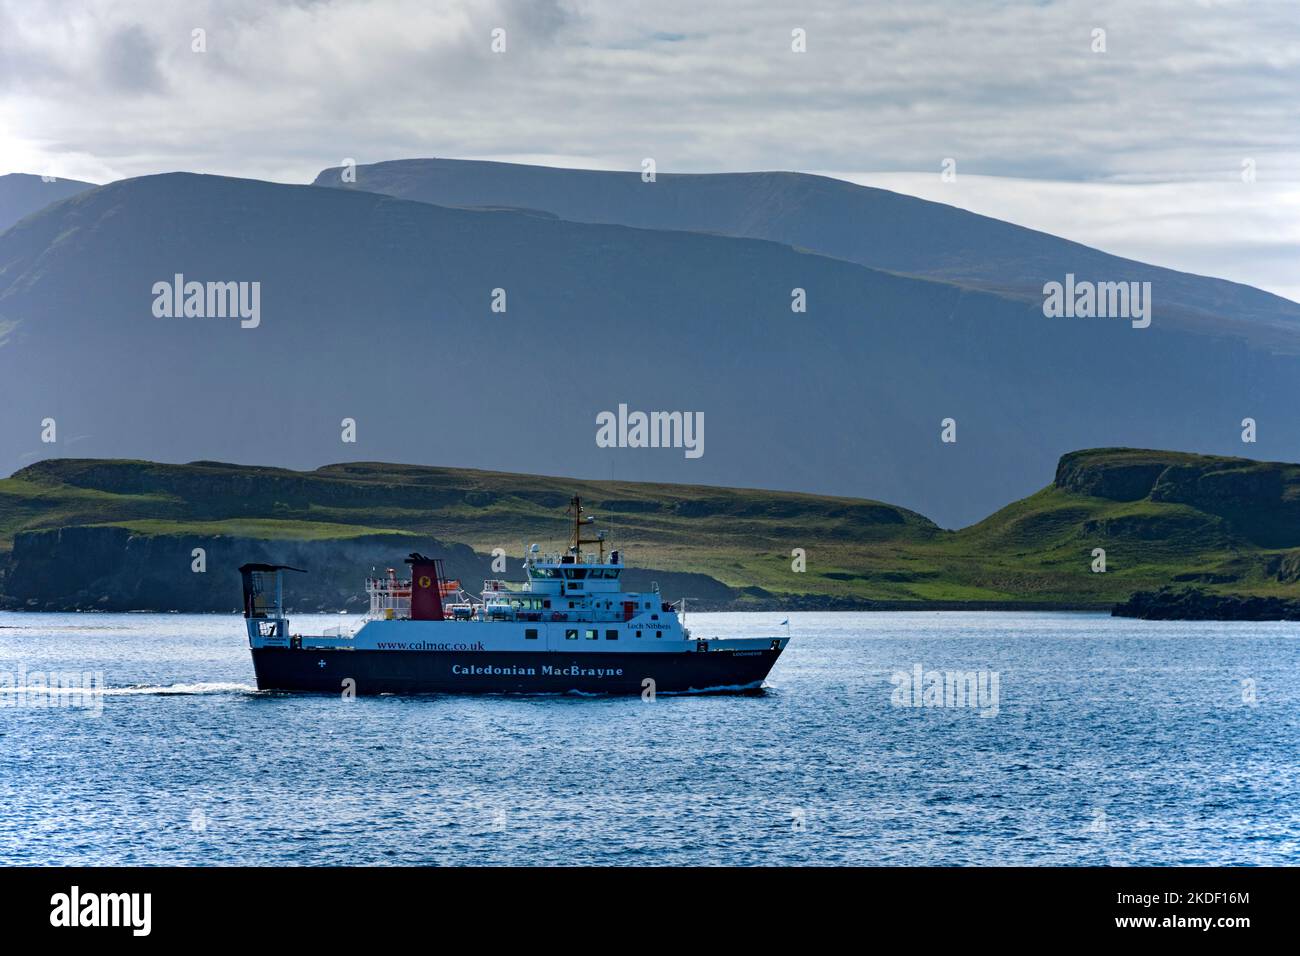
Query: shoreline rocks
x,y
1195,604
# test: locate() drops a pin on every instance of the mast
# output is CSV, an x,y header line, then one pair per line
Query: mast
x,y
575,509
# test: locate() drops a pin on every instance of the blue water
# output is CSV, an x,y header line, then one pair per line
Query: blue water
x,y
1114,742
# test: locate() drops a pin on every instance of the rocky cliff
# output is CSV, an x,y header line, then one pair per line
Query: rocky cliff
x,y
113,569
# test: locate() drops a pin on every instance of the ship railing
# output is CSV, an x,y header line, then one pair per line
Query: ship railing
x,y
390,604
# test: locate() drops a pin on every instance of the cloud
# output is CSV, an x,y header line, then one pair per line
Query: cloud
x,y
130,62
1010,89
1245,231
1014,91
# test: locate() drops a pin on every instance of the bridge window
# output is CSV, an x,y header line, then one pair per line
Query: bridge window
x,y
530,634
575,574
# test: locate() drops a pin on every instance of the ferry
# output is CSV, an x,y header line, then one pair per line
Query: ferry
x,y
567,627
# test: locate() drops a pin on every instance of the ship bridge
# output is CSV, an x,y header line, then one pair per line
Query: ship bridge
x,y
557,576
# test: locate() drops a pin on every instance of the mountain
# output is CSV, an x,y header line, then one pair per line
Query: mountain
x,y
120,535
378,310
21,195
872,227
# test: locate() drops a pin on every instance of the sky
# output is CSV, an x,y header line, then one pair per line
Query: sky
x,y
1178,143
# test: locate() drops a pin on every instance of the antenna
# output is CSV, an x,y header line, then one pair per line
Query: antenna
x,y
579,519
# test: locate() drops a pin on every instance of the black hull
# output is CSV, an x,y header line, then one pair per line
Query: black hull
x,y
488,672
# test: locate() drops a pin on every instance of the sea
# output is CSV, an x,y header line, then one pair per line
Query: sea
x,y
930,739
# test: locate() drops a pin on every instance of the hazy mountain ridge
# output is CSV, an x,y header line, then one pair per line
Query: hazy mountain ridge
x,y
21,195
871,226
379,310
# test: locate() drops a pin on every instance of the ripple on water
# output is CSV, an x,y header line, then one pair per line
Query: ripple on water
x,y
1115,742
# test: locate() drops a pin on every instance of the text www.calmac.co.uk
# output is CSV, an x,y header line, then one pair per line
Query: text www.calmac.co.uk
x,y
426,646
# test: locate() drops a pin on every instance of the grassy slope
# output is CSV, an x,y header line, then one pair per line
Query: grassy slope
x,y
1160,516
742,537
